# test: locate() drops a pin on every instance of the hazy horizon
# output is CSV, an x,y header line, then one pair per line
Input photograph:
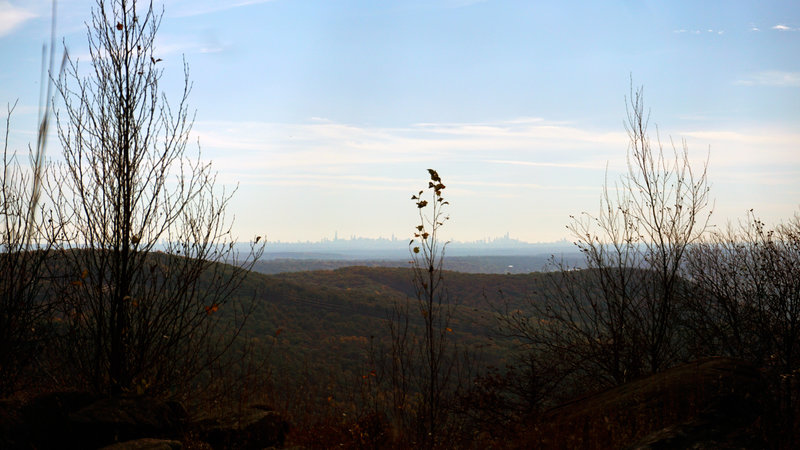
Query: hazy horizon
x,y
507,238
327,114
360,248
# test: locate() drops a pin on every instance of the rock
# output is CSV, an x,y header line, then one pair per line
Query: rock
x,y
252,428
702,404
146,444
115,419
723,425
45,419
80,420
12,425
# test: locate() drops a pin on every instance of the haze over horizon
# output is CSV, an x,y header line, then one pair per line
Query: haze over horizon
x,y
327,114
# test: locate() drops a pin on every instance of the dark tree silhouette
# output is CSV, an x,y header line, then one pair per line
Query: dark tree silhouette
x,y
147,227
620,317
425,364
746,301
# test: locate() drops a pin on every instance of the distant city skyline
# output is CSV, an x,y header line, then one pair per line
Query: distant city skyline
x,y
393,238
327,114
355,247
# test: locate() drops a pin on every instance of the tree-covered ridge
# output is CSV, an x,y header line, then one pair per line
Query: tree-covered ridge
x,y
356,301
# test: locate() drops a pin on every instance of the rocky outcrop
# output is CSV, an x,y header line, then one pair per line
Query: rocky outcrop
x,y
42,422
722,425
80,420
255,427
115,419
703,404
146,444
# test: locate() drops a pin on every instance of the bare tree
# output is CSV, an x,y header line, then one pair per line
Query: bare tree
x,y
618,318
720,312
746,304
147,226
747,293
427,253
425,360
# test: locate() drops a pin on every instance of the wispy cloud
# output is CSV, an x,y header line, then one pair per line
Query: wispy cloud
x,y
530,161
389,183
773,178
743,151
191,8
778,27
546,164
11,17
172,45
321,143
323,154
326,181
709,30
776,78
164,47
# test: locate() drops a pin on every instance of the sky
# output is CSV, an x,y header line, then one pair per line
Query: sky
x,y
326,114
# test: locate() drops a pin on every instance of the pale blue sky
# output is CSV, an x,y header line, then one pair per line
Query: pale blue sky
x,y
327,113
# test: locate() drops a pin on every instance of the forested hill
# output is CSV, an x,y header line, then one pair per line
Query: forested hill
x,y
355,301
323,321
476,290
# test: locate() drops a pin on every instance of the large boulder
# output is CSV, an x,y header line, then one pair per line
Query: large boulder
x,y
724,424
702,404
41,422
249,429
60,420
146,444
119,419
12,425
